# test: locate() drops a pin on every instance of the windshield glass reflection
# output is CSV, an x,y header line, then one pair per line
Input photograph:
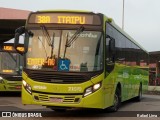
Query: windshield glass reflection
x,y
57,50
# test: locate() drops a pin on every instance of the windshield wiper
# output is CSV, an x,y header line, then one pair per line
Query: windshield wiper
x,y
52,44
48,38
43,46
46,34
75,36
72,39
65,46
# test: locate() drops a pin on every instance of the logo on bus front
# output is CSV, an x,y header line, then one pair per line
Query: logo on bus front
x,y
40,87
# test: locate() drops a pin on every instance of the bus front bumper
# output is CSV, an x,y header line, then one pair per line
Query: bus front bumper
x,y
94,100
14,86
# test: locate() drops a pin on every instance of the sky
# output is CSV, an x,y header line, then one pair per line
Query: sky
x,y
141,17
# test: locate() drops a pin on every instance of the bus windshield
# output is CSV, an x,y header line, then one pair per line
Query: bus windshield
x,y
65,50
10,63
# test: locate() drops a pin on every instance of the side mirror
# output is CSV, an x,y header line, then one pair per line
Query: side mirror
x,y
18,32
21,48
16,40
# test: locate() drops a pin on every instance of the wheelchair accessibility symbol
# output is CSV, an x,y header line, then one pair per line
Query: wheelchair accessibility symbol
x,y
63,65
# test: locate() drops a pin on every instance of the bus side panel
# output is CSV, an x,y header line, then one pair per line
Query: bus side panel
x,y
111,82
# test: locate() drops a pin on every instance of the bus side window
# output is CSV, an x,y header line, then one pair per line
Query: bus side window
x,y
110,53
111,49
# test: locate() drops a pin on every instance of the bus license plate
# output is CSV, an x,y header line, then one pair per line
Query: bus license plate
x,y
18,87
56,100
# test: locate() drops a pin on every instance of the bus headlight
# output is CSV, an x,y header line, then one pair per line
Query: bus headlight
x,y
27,87
96,86
1,79
88,91
92,89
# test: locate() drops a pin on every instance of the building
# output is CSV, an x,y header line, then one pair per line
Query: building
x,y
154,68
10,19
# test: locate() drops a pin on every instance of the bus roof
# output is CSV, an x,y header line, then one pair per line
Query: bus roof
x,y
61,10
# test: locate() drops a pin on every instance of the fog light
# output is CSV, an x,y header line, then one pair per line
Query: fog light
x,y
36,97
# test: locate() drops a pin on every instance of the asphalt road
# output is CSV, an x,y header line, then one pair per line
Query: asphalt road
x,y
147,108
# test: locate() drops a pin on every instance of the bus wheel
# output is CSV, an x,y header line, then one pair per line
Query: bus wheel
x,y
139,97
117,101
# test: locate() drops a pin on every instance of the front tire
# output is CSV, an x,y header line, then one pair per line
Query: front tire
x,y
117,101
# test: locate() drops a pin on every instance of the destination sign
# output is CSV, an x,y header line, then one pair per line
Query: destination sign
x,y
7,71
40,61
65,18
20,49
11,48
8,48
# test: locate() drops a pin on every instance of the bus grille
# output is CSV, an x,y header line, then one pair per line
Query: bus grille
x,y
57,77
66,99
11,78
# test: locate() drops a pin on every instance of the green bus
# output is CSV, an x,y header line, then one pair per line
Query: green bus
x,y
79,59
10,69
